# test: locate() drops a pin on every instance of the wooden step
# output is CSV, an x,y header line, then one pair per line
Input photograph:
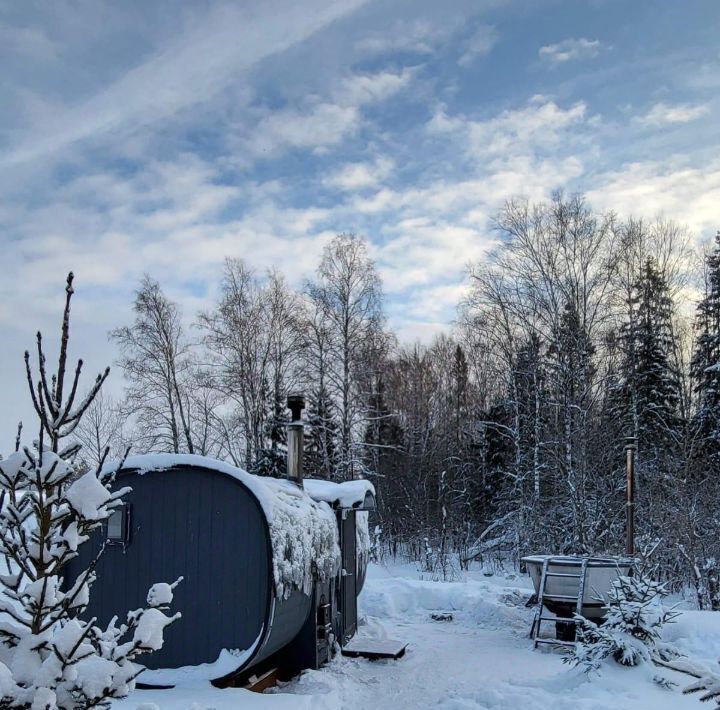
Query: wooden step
x,y
374,648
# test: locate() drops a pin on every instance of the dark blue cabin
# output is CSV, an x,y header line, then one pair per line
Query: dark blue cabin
x,y
271,569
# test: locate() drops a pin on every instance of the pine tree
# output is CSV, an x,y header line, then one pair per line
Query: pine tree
x,y
321,435
705,365
529,385
650,385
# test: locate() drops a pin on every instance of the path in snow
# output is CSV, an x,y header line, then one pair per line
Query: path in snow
x,y
482,659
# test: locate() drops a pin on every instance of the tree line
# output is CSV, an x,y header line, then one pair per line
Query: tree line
x,y
503,436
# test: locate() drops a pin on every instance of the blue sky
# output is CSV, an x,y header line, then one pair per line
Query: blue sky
x,y
163,136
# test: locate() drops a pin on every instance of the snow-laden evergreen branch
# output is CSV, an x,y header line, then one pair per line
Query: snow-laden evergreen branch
x,y
51,657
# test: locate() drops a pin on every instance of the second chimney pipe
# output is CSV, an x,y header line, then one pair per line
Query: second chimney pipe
x,y
295,439
630,449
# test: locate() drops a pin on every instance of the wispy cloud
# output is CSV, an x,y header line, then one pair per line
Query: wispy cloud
x,y
480,43
662,114
569,50
136,138
416,36
192,68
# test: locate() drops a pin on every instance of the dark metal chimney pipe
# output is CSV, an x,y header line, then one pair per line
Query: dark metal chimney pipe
x,y
295,439
630,449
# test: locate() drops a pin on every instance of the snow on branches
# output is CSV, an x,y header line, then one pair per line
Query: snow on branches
x,y
631,630
51,657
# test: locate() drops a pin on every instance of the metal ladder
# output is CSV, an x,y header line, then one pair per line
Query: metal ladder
x,y
542,596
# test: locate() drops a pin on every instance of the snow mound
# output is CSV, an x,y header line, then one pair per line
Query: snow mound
x,y
303,532
697,634
614,689
480,604
226,662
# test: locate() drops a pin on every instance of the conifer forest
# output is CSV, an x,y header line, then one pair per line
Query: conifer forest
x,y
503,436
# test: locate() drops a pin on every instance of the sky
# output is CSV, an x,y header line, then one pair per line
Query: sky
x,y
162,136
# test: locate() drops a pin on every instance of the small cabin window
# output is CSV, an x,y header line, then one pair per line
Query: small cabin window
x,y
117,526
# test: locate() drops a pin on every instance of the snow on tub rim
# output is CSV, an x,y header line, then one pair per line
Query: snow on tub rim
x,y
601,573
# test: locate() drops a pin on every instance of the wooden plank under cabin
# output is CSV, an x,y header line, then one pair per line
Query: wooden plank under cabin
x,y
261,683
374,648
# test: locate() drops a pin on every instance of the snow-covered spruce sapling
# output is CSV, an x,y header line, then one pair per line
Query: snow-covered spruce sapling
x,y
631,631
50,656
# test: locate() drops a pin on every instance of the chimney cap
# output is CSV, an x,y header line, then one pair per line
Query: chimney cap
x,y
296,403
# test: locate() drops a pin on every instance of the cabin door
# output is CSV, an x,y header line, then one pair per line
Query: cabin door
x,y
348,578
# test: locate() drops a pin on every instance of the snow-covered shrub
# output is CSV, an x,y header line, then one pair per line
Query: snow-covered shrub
x,y
631,630
50,656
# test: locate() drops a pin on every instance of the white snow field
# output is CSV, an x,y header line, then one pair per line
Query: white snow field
x,y
483,658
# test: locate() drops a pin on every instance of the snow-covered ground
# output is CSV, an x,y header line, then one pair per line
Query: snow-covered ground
x,y
481,659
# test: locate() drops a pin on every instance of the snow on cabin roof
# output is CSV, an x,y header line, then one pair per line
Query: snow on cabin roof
x,y
146,463
348,494
297,521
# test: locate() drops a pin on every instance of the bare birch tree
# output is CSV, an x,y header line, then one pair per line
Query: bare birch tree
x,y
253,346
157,363
348,295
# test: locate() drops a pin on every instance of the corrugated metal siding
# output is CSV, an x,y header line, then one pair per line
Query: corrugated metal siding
x,y
208,528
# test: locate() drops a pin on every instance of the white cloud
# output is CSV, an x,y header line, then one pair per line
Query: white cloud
x,y
427,250
30,42
359,176
540,124
361,89
662,114
570,50
479,44
323,123
672,187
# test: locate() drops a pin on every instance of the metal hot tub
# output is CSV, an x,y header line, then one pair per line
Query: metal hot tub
x,y
562,582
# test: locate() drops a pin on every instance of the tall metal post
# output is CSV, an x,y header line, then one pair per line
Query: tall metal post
x,y
630,451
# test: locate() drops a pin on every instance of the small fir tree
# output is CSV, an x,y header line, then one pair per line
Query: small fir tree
x,y
631,631
50,656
